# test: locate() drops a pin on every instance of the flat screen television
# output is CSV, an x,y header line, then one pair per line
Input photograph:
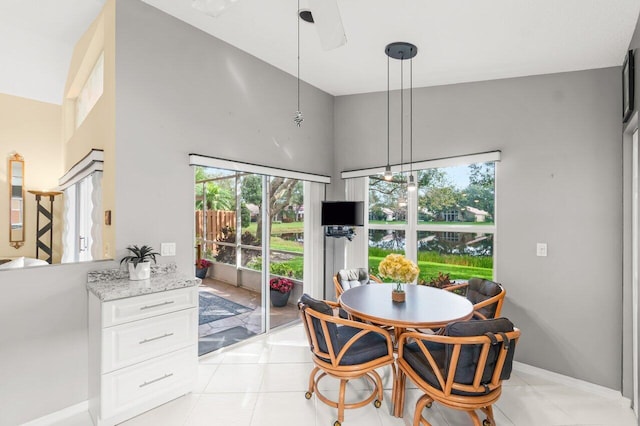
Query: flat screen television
x,y
342,213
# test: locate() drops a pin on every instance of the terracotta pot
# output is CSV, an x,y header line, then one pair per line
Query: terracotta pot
x,y
398,296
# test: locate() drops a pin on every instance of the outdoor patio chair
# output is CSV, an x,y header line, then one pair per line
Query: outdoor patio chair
x,y
344,349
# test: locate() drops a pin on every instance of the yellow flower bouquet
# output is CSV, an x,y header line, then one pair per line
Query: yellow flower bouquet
x,y
398,268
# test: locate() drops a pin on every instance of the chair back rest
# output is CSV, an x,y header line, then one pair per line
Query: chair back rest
x,y
481,353
349,278
480,290
322,334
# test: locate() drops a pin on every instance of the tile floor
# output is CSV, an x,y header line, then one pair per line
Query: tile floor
x,y
262,382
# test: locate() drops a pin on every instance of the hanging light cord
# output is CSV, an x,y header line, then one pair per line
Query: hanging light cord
x,y
401,115
411,117
298,19
298,119
388,152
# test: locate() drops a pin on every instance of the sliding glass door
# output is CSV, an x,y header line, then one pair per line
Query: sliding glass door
x,y
250,227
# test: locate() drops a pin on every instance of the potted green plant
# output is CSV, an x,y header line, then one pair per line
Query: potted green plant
x,y
139,262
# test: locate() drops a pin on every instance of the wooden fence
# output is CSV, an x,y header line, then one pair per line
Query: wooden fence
x,y
216,220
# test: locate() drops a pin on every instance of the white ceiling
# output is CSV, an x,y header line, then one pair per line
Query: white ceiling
x,y
458,41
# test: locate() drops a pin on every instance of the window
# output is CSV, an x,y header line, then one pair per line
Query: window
x,y
216,193
82,239
446,225
91,91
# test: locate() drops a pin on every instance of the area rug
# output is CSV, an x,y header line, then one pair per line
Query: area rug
x,y
221,339
214,308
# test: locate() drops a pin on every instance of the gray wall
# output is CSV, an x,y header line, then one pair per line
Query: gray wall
x,y
179,91
43,340
559,182
629,127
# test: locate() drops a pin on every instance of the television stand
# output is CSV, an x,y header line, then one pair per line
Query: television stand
x,y
339,232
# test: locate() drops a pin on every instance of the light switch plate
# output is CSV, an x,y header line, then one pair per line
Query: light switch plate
x,y
167,249
541,249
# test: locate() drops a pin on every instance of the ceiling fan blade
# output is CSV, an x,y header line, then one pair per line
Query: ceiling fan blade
x,y
328,22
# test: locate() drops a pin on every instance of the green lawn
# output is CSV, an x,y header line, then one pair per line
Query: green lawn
x,y
424,222
429,270
278,228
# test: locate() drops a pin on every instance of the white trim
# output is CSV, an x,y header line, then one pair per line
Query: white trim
x,y
94,167
59,416
239,166
80,170
356,251
474,229
313,260
484,157
634,266
569,381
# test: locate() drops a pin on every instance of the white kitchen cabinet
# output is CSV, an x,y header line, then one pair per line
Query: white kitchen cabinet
x,y
143,345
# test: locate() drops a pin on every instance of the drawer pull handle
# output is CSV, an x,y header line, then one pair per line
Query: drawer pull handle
x,y
166,376
155,338
168,302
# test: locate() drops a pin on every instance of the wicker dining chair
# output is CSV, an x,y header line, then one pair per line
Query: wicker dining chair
x,y
344,349
487,296
462,369
347,278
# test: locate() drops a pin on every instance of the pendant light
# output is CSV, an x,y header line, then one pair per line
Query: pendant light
x,y
411,186
402,50
388,175
298,118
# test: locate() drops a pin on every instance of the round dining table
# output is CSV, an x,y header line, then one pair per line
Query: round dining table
x,y
424,307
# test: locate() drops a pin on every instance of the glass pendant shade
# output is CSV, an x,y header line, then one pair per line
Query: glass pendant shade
x,y
411,186
387,173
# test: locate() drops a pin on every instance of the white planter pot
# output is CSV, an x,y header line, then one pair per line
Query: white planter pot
x,y
140,272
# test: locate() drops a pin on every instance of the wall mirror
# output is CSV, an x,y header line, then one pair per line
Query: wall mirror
x,y
16,200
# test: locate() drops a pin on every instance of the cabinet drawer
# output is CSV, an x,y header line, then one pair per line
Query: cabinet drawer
x,y
135,308
133,342
149,381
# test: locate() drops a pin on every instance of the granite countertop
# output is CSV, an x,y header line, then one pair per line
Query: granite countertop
x,y
114,284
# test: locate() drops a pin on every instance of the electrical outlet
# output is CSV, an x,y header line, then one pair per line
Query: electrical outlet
x,y
541,249
167,249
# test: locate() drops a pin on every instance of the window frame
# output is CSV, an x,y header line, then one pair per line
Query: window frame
x,y
412,226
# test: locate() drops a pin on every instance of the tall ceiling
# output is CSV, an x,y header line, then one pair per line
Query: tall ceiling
x,y
458,41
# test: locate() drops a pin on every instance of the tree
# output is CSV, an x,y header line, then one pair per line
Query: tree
x,y
217,196
281,193
481,190
482,174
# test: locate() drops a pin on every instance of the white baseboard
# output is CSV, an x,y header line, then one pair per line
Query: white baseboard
x,y
569,381
58,416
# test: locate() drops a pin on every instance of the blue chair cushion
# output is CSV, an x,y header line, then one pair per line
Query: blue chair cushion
x,y
480,290
367,348
321,307
469,354
419,363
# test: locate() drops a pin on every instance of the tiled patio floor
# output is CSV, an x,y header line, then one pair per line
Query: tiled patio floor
x,y
252,320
